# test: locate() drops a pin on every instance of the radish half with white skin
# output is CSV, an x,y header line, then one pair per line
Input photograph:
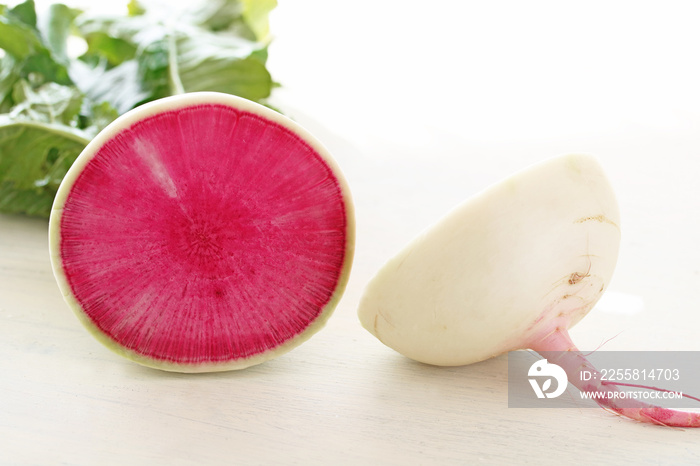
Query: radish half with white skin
x,y
202,232
512,268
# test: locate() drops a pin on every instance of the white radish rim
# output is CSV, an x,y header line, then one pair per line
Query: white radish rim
x,y
140,113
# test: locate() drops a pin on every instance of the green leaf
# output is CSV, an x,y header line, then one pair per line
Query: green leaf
x,y
244,18
20,40
100,116
17,38
26,13
56,29
121,86
246,78
219,15
41,67
171,60
9,75
134,8
51,103
209,62
112,49
34,158
256,15
136,30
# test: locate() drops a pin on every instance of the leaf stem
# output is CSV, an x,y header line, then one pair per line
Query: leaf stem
x,y
55,128
176,86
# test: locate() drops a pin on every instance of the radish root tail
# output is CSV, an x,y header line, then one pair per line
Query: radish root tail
x,y
574,362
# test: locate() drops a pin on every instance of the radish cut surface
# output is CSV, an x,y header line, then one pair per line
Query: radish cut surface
x,y
202,232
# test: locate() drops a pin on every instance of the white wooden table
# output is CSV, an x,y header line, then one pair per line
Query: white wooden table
x,y
421,109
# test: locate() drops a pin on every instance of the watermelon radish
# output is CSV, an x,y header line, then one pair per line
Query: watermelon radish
x,y
202,232
512,268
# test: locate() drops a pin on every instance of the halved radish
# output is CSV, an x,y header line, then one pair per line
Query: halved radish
x,y
512,268
493,274
202,232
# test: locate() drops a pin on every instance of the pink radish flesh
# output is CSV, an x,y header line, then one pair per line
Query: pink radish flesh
x,y
203,235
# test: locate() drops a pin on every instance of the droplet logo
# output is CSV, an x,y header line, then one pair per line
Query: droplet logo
x,y
547,371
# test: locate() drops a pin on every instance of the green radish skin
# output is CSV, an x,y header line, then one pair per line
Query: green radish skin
x,y
512,268
236,234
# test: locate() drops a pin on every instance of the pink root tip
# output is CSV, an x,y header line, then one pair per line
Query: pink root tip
x,y
574,363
